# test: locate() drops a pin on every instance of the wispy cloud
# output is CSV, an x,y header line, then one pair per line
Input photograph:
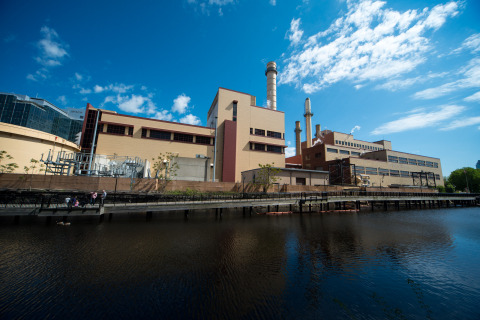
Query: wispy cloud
x,y
473,98
180,103
398,84
419,120
62,100
471,79
460,123
295,33
370,42
52,52
163,115
190,119
472,43
206,6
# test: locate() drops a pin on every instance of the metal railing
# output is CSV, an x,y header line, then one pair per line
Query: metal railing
x,y
58,199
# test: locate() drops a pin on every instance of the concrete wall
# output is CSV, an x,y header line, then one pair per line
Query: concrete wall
x,y
24,144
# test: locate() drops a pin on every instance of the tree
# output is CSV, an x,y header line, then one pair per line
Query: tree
x,y
165,167
7,167
267,175
465,179
32,167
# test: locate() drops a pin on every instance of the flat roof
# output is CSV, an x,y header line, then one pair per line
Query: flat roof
x,y
292,169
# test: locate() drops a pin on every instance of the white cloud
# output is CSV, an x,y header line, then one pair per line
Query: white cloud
x,y
206,5
370,42
295,33
398,84
419,120
62,100
180,104
163,115
290,152
471,79
132,104
460,123
273,2
98,89
472,43
78,76
473,98
190,119
52,52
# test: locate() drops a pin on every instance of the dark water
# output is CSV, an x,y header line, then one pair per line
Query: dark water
x,y
395,265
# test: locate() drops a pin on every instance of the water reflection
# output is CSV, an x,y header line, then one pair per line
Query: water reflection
x,y
413,264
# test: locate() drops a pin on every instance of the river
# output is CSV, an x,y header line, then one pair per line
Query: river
x,y
417,264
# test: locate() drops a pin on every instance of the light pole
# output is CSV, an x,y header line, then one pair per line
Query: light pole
x,y
466,179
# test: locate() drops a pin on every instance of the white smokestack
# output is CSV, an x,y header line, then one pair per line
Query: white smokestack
x,y
271,74
308,122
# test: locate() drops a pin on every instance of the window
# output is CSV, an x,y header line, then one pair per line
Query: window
x,y
394,173
162,135
182,137
251,130
371,171
355,153
318,155
403,160
276,149
412,162
429,164
274,134
202,140
405,174
116,129
359,169
300,181
234,111
435,165
130,131
332,150
437,177
383,172
259,147
344,152
421,163
392,159
336,141
144,133
259,132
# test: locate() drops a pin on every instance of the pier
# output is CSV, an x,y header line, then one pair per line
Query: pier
x,y
18,204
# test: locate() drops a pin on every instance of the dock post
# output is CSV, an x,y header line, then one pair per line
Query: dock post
x,y
278,210
373,205
385,205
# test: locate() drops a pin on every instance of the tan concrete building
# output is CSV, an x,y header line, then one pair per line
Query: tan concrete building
x,y
24,144
289,176
239,136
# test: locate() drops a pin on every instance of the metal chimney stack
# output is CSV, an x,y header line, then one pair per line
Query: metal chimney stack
x,y
271,74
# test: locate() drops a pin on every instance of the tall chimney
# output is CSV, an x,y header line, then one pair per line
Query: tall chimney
x,y
271,74
308,119
318,131
298,139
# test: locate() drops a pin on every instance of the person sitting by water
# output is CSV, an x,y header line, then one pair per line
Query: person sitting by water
x,y
93,197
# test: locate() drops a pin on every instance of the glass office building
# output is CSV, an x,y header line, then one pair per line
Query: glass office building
x,y
38,114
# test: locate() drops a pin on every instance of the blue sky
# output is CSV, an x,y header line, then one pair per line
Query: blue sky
x,y
404,71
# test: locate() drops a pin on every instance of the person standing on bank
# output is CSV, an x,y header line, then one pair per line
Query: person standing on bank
x,y
93,197
104,195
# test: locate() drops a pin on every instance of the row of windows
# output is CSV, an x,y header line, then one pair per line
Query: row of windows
x,y
357,145
387,172
265,147
261,132
353,153
182,137
414,162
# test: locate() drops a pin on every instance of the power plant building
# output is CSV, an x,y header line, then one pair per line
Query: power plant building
x,y
351,161
239,136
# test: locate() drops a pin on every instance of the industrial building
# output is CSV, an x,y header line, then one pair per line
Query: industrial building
x,y
354,162
239,136
39,114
